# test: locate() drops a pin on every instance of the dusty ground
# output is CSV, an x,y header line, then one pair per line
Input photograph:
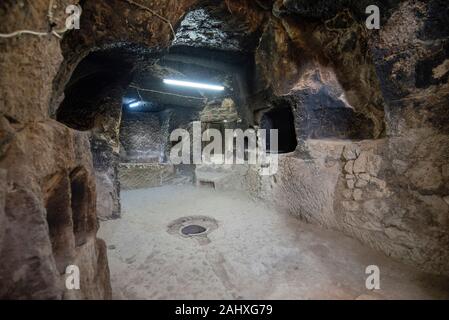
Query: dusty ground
x,y
255,253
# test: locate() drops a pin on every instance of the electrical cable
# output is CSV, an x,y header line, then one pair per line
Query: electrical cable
x,y
50,16
141,6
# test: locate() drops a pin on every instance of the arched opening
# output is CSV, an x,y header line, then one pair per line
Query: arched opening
x,y
95,83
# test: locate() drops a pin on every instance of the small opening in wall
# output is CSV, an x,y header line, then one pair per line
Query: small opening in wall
x,y
94,81
281,119
80,206
59,220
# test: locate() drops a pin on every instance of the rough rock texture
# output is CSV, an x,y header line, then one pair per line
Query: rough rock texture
x,y
389,193
219,111
349,187
48,165
105,146
3,175
201,29
232,26
321,108
145,175
48,188
308,57
142,137
44,165
415,87
50,220
324,10
93,102
222,177
25,61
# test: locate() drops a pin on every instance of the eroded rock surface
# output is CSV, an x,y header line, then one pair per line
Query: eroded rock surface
x,y
317,58
389,193
50,217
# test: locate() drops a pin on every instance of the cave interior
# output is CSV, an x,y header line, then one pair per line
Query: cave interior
x,y
362,151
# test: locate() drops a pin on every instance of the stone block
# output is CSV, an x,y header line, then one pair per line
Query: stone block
x,y
349,167
360,163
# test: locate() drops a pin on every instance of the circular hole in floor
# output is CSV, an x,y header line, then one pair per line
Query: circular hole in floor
x,y
193,230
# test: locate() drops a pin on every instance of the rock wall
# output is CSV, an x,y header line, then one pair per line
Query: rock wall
x,y
50,218
48,186
391,193
48,191
208,28
93,102
105,147
356,188
395,79
142,137
145,175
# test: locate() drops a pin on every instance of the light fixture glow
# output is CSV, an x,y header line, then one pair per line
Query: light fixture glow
x,y
135,104
197,85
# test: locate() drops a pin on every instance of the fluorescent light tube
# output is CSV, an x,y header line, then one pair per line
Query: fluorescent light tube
x,y
197,85
135,104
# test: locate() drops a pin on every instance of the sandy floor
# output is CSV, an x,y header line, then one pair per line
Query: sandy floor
x,y
255,253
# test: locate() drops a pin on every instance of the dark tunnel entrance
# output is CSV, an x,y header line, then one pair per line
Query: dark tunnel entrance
x,y
129,109
98,80
281,119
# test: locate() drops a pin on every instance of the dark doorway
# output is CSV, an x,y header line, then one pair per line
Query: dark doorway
x,y
281,119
